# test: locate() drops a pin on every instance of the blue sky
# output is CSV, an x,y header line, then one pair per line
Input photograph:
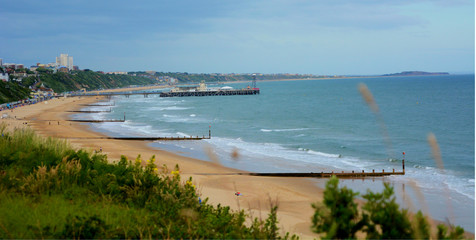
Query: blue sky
x,y
224,36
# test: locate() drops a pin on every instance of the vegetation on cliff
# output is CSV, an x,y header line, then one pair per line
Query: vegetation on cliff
x,y
89,80
184,77
12,91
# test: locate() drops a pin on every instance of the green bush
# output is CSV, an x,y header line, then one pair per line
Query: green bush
x,y
337,216
380,218
49,190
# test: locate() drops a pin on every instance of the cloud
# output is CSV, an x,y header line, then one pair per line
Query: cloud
x,y
229,36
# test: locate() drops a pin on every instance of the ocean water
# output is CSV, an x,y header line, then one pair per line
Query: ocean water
x,y
325,125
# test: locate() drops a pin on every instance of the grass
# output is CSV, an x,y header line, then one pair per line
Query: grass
x,y
49,190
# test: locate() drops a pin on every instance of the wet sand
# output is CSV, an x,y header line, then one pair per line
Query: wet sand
x,y
293,195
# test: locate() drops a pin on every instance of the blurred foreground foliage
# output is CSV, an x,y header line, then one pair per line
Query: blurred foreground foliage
x,y
380,217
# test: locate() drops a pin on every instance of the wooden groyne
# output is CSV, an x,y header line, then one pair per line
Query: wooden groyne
x,y
89,111
149,138
342,174
211,93
99,121
178,138
96,121
98,105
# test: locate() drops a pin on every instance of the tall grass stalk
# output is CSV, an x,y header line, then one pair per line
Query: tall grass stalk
x,y
435,151
370,101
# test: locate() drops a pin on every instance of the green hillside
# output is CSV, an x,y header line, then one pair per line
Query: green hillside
x,y
184,77
12,91
76,80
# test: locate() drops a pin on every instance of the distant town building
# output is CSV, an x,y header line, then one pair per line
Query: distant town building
x,y
168,79
13,65
63,69
65,60
4,77
117,73
1,62
41,92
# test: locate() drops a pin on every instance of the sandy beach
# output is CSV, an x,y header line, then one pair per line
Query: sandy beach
x,y
294,196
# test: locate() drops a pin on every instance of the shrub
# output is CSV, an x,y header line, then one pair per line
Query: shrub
x,y
338,216
380,218
91,198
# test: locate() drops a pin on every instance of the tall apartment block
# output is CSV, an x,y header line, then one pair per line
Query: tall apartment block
x,y
64,60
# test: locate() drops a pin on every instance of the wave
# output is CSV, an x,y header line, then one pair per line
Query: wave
x,y
294,158
168,108
181,119
285,130
433,179
325,154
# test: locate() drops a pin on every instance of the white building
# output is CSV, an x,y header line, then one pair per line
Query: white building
x,y
117,73
4,77
64,60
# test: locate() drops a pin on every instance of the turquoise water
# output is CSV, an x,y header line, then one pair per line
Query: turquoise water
x,y
324,125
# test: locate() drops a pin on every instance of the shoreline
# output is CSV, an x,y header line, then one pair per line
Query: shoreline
x,y
295,195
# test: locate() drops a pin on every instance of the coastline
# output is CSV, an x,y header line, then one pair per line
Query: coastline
x,y
294,195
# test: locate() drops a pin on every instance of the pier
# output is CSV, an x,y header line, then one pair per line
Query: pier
x,y
253,91
220,92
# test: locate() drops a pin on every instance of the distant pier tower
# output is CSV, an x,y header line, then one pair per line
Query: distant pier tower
x,y
253,83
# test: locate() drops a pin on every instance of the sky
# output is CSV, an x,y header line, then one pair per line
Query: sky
x,y
323,37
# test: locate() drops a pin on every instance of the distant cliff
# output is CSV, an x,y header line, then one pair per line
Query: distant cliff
x,y
416,73
62,82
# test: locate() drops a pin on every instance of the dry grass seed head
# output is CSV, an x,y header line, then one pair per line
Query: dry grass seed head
x,y
435,150
368,97
235,155
41,172
212,155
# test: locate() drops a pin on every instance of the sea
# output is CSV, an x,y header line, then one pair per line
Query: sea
x,y
326,125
